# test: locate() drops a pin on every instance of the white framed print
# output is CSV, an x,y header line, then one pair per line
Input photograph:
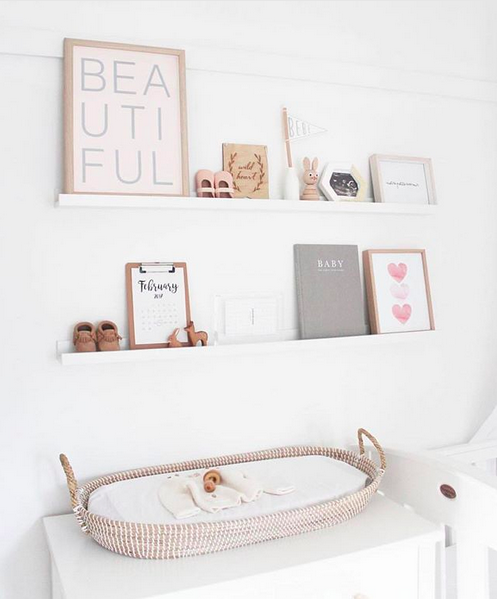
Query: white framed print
x,y
342,182
125,126
398,291
402,179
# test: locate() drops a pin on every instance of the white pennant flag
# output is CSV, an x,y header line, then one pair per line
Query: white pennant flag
x,y
297,128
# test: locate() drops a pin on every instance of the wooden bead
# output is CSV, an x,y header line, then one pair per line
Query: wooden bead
x,y
209,486
212,478
213,475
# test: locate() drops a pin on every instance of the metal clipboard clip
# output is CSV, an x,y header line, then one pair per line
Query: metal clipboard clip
x,y
157,267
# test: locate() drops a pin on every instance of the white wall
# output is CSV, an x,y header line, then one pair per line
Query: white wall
x,y
415,78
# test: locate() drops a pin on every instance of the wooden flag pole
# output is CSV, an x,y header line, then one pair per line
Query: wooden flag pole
x,y
287,139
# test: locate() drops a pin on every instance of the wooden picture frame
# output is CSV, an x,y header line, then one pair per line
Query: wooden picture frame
x,y
332,192
248,165
125,115
394,315
150,266
397,180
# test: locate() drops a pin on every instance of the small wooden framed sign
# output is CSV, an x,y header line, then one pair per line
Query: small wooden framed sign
x,y
158,303
248,165
125,126
398,291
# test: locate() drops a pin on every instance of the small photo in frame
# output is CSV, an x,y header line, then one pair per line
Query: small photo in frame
x,y
402,179
398,291
342,182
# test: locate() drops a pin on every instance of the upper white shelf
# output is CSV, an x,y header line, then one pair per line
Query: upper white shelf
x,y
190,203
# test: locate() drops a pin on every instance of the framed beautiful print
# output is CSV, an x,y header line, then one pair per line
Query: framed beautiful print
x,y
398,291
402,179
342,182
125,126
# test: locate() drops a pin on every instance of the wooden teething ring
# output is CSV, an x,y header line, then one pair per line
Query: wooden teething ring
x,y
212,478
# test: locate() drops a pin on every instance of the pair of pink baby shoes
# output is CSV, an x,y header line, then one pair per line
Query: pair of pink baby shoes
x,y
210,185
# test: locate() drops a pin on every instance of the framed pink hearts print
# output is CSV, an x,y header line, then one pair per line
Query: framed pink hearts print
x,y
398,291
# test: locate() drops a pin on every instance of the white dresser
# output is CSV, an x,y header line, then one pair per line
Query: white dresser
x,y
387,552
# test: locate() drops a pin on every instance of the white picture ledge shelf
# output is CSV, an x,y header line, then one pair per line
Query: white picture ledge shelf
x,y
191,203
68,357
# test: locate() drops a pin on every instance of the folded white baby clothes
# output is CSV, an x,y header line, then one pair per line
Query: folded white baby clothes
x,y
176,497
185,496
249,488
223,497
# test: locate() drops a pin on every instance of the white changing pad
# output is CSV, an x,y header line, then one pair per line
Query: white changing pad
x,y
316,479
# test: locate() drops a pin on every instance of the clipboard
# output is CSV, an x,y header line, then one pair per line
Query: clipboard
x,y
158,302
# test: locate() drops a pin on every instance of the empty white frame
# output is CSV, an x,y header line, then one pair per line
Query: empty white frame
x,y
402,179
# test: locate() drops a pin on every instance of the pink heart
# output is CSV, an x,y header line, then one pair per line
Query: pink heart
x,y
402,313
399,291
397,271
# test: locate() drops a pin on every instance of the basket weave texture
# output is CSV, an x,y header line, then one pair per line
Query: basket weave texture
x,y
168,541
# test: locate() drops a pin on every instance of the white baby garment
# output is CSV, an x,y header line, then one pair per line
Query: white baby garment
x,y
222,498
249,488
176,497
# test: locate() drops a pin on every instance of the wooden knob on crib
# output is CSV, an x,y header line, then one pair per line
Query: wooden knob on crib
x,y
448,491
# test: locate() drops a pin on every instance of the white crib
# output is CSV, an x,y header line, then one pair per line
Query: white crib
x,y
415,480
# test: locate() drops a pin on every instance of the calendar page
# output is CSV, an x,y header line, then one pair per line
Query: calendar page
x,y
159,304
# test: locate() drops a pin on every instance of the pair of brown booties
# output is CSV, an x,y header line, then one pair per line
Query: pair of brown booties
x,y
103,338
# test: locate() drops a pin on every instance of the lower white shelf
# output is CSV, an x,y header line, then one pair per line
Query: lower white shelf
x,y
68,357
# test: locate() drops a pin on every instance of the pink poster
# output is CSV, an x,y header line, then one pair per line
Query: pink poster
x,y
125,120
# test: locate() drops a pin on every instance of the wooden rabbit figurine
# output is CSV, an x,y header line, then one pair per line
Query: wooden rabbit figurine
x,y
173,339
310,179
196,336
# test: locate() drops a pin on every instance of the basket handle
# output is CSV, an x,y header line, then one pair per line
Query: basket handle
x,y
72,483
378,447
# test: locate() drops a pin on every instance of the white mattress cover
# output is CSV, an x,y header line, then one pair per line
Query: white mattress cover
x,y
316,478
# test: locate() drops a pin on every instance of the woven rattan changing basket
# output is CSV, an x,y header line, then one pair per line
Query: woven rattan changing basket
x,y
167,541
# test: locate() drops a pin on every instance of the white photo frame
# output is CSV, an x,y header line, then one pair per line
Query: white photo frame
x,y
250,318
342,182
402,179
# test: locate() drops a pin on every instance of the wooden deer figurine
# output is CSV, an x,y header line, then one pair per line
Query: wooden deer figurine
x,y
196,336
173,339
310,179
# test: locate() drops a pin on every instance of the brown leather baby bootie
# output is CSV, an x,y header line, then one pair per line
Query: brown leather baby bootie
x,y
84,337
107,336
